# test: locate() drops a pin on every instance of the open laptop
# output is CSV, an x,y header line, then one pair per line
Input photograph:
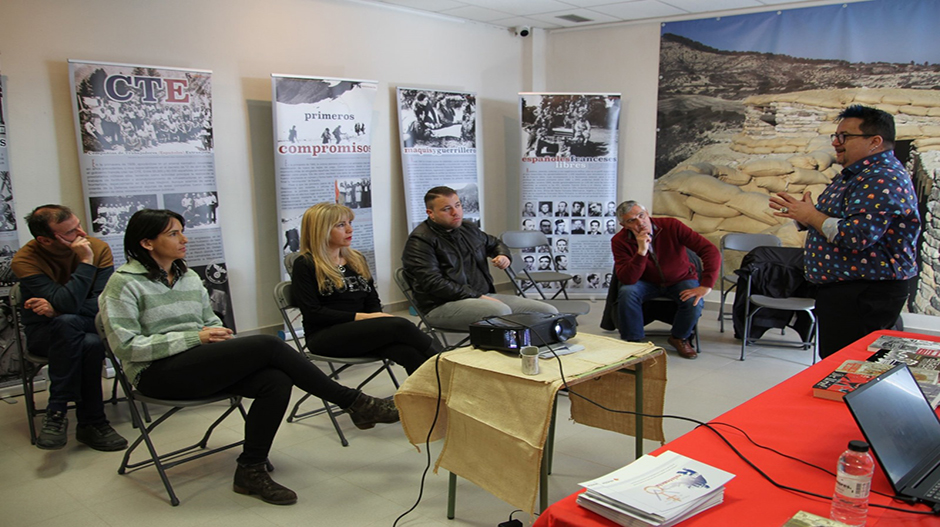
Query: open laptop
x,y
903,431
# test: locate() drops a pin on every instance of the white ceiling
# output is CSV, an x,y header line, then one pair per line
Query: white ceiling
x,y
546,13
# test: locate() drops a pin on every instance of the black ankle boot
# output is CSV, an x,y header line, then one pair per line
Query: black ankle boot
x,y
255,480
366,411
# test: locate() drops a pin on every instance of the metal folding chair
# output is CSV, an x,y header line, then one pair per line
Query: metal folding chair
x,y
754,303
32,365
744,243
525,279
437,333
283,297
167,460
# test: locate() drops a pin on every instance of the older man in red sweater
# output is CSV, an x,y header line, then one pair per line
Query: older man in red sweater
x,y
650,260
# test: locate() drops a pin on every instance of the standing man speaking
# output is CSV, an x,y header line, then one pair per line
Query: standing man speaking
x,y
862,233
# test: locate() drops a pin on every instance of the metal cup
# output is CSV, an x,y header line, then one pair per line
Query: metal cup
x,y
530,360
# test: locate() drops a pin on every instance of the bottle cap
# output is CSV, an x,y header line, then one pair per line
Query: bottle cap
x,y
858,446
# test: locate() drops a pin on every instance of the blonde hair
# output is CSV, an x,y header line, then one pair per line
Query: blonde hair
x,y
315,229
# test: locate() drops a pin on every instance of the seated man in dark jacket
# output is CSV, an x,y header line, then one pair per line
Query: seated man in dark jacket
x,y
445,258
650,261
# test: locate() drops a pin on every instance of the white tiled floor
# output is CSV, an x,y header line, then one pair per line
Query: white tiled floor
x,y
369,483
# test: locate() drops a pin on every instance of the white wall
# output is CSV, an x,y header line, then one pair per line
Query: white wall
x,y
243,42
622,59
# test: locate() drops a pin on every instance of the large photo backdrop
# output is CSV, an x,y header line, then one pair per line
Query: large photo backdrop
x,y
145,141
747,103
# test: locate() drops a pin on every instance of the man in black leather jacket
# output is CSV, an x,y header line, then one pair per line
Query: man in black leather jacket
x,y
445,258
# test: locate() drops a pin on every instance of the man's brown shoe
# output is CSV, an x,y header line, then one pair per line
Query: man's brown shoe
x,y
686,351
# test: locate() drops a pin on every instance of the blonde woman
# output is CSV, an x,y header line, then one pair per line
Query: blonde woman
x,y
160,324
342,314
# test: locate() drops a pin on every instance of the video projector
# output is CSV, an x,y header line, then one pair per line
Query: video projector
x,y
512,332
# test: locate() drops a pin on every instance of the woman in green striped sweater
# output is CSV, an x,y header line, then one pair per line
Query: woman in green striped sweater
x,y
160,324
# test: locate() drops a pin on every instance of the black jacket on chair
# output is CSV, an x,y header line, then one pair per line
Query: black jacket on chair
x,y
776,272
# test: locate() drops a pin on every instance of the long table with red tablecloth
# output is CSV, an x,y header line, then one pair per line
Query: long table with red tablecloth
x,y
787,418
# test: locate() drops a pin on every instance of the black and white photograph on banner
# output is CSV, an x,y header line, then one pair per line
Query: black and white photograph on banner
x,y
290,226
610,227
545,226
326,112
562,125
215,279
146,110
7,216
576,282
469,194
355,193
199,209
7,278
110,213
529,262
437,119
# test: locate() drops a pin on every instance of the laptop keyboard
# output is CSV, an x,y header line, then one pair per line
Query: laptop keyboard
x,y
934,492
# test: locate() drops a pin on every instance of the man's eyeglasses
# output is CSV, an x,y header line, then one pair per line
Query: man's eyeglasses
x,y
839,138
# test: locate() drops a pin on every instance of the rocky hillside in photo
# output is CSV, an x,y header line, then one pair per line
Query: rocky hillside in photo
x,y
701,89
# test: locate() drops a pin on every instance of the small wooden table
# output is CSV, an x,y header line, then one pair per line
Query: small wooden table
x,y
497,421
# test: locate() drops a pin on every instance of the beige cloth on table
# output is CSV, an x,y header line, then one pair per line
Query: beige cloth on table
x,y
495,430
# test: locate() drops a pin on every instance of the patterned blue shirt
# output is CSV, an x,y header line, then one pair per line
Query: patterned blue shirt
x,y
876,206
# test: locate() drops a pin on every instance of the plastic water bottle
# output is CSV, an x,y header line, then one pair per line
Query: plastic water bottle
x,y
853,484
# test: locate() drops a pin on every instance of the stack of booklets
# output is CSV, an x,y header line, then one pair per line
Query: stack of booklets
x,y
922,356
655,491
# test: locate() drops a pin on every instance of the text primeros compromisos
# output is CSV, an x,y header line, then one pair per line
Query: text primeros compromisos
x,y
329,116
315,150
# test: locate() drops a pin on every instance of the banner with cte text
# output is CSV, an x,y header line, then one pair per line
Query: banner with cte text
x,y
569,184
438,147
145,142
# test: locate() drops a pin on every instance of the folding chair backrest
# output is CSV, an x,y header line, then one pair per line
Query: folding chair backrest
x,y
109,354
745,242
404,284
524,239
284,300
289,260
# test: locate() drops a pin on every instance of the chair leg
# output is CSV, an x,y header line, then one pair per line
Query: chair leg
x,y
721,312
29,399
339,431
154,456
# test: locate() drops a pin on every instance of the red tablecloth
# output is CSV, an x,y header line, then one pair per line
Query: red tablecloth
x,y
787,418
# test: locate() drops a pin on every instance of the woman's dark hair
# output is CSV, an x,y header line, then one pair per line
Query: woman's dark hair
x,y
147,224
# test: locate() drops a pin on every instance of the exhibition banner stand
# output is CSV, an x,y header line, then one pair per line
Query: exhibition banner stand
x,y
569,184
439,147
145,142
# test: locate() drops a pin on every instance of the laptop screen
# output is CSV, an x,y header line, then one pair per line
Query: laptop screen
x,y
898,422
